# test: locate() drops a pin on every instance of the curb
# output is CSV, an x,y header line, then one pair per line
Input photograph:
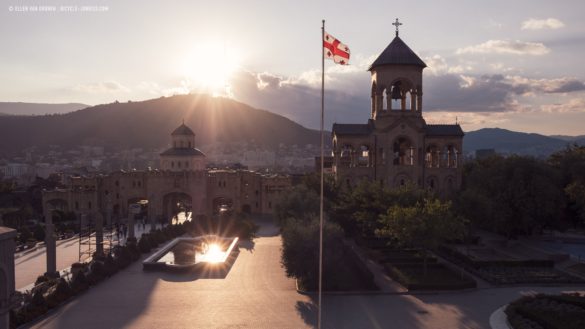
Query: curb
x,y
380,292
499,319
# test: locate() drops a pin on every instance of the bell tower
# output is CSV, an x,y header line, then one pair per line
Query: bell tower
x,y
396,80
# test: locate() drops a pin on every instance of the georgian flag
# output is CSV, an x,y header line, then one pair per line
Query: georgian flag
x,y
335,50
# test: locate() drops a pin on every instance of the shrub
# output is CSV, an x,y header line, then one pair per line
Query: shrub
x,y
79,283
39,233
96,272
41,279
58,293
144,244
25,234
438,277
122,256
36,307
134,251
110,266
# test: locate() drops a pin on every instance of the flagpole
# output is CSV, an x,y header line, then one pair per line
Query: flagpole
x,y
322,181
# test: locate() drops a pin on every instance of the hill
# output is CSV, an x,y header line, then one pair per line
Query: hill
x,y
18,108
148,124
506,141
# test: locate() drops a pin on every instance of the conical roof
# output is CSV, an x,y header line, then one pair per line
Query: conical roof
x,y
397,52
183,130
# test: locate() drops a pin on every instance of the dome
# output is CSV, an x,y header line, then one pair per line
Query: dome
x,y
397,52
183,130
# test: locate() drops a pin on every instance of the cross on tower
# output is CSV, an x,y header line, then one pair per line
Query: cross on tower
x,y
397,24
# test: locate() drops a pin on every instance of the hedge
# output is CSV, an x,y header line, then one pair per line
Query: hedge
x,y
438,277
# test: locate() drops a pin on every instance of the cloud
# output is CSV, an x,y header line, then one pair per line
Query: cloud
x,y
101,87
491,93
540,24
514,47
573,105
523,85
299,98
474,98
437,65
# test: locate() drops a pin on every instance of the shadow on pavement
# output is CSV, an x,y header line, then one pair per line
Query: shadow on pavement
x,y
247,244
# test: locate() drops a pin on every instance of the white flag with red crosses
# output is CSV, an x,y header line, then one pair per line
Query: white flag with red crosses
x,y
335,50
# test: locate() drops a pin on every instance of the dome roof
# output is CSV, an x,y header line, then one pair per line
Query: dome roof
x,y
182,152
183,130
397,52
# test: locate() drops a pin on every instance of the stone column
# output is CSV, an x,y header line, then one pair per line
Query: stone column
x,y
51,246
99,234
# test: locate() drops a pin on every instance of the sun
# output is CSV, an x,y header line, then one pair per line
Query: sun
x,y
209,67
214,254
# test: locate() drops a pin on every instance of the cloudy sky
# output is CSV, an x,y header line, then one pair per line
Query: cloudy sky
x,y
510,64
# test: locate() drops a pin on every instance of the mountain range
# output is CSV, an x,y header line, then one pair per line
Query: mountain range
x,y
19,108
147,124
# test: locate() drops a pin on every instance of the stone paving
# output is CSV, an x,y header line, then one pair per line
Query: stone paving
x,y
257,294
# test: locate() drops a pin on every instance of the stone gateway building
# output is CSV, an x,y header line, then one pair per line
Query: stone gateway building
x,y
396,146
183,181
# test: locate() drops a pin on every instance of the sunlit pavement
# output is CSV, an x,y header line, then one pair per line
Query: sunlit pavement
x,y
28,266
257,294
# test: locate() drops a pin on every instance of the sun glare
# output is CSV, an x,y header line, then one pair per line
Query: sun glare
x,y
209,67
214,253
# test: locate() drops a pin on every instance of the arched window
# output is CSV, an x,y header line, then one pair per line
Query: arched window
x,y
172,164
364,156
346,155
452,156
432,156
403,152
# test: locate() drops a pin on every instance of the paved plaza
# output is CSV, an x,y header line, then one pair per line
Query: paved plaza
x,y
257,294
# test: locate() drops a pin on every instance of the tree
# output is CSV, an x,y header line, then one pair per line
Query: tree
x,y
515,195
357,210
300,203
571,163
424,225
300,250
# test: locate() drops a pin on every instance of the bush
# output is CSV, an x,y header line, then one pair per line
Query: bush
x,y
96,273
122,256
25,234
36,307
58,293
110,266
144,244
39,233
79,283
41,279
134,251
545,311
438,277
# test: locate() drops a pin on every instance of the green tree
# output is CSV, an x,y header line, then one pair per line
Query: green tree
x,y
357,210
300,203
512,196
571,163
300,251
424,225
